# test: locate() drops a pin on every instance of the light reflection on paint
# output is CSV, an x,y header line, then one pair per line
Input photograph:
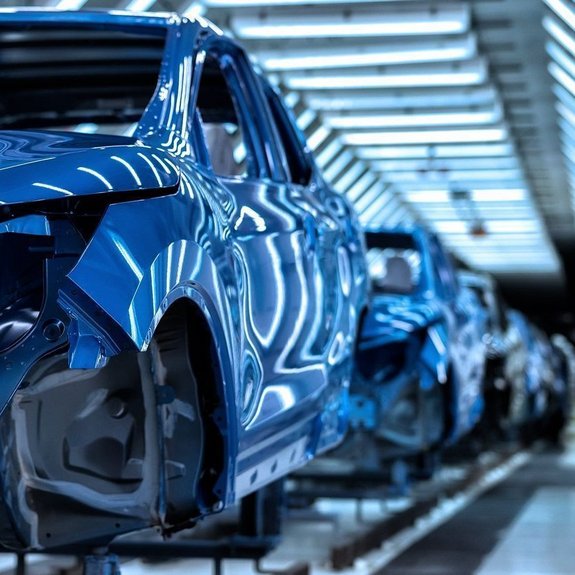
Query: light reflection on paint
x,y
130,169
96,175
254,216
53,188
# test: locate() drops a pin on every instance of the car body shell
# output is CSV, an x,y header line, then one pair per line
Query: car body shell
x,y
275,270
427,345
507,356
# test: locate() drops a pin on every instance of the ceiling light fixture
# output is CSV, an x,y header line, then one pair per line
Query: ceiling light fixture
x,y
424,137
446,97
435,151
469,73
70,4
378,120
371,55
355,22
140,5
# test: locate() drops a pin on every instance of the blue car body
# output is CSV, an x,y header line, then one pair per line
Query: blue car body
x,y
537,370
420,360
170,339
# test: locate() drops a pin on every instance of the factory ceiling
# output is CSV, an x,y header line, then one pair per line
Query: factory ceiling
x,y
459,115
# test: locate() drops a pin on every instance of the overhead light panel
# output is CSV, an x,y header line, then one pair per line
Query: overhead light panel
x,y
561,57
452,97
319,136
452,49
70,4
434,164
140,5
468,73
456,176
328,153
559,33
379,120
368,21
565,12
435,151
269,3
497,226
394,138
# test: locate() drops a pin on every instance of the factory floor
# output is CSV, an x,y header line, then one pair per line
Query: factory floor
x,y
523,526
517,519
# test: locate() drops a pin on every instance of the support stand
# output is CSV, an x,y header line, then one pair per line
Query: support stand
x,y
104,564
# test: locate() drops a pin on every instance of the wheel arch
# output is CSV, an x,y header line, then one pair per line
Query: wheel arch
x,y
212,366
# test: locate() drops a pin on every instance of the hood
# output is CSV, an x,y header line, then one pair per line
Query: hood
x,y
42,165
393,318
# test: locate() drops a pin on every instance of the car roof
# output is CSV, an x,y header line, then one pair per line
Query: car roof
x,y
116,18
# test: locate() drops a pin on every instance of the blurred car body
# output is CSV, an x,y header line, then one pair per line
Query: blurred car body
x,y
418,381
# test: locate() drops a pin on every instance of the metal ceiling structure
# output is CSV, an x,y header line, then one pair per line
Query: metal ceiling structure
x,y
456,114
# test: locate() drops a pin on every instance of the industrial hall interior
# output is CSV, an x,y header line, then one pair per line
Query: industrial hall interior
x,y
287,287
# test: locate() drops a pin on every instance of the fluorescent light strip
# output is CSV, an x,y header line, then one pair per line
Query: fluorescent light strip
x,y
382,202
366,200
350,177
414,187
445,213
194,10
568,129
563,11
564,96
140,5
424,137
361,186
561,57
269,3
456,176
374,120
500,226
338,164
328,153
435,151
385,216
514,256
318,137
357,22
447,97
558,33
437,164
345,57
514,263
70,4
565,112
488,195
291,99
472,73
305,119
397,217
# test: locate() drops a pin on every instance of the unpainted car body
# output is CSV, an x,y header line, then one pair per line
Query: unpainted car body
x,y
177,328
420,359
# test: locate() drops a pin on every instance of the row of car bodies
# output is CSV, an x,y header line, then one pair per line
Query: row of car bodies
x,y
184,302
440,352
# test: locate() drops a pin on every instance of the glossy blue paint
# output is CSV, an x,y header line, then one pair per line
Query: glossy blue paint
x,y
276,269
421,350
